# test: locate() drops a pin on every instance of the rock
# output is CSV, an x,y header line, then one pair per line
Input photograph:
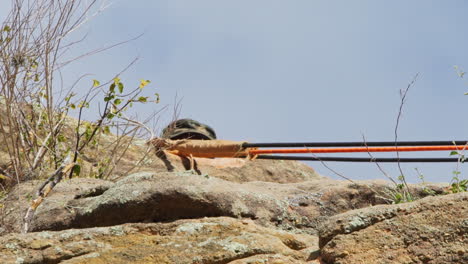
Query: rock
x,y
207,240
430,230
225,220
240,170
20,198
225,210
150,197
155,197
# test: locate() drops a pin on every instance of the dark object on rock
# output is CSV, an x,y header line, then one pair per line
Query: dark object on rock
x,y
188,129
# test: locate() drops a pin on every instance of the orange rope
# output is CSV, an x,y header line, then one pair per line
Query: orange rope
x,y
356,149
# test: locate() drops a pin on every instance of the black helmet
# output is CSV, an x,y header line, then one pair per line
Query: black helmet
x,y
188,129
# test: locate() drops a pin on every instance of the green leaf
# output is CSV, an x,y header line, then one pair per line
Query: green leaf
x,y
110,115
398,197
157,98
61,138
116,80
143,83
112,88
117,101
96,83
106,130
88,131
7,28
109,97
453,153
83,104
77,169
72,106
142,99
69,97
121,86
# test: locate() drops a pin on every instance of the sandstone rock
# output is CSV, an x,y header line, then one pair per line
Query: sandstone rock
x,y
207,240
430,230
17,202
289,212
234,211
239,170
155,197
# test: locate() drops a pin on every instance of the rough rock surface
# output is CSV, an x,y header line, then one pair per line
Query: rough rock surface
x,y
430,230
19,199
207,240
232,169
231,211
155,197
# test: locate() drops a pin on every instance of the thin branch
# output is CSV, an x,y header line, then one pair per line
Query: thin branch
x,y
377,164
93,52
45,189
403,94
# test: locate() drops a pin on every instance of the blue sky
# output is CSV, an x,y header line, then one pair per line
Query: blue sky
x,y
270,70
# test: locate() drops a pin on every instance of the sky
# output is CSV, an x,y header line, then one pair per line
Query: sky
x,y
298,70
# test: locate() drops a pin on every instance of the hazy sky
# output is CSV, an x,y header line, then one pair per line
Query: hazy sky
x,y
296,70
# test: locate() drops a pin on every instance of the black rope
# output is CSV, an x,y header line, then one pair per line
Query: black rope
x,y
354,144
350,159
